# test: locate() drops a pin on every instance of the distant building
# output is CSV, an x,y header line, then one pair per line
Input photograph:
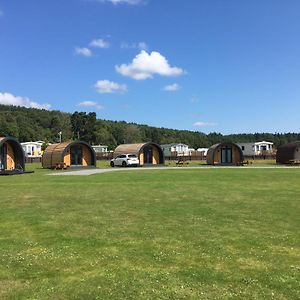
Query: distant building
x,y
202,151
100,148
256,148
177,149
32,149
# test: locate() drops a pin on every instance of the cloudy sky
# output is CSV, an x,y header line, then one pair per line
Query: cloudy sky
x,y
229,66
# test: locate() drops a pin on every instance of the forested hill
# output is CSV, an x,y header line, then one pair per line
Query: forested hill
x,y
29,124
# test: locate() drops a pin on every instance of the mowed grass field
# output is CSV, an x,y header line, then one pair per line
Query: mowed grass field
x,y
162,234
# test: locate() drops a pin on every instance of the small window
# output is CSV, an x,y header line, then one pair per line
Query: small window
x,y
132,155
243,148
122,156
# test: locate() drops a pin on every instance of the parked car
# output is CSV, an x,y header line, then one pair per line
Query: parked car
x,y
125,160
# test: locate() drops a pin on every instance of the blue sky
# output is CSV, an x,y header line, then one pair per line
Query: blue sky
x,y
228,66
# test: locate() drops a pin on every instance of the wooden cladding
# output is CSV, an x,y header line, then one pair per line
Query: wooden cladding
x,y
288,153
11,154
69,154
148,153
225,154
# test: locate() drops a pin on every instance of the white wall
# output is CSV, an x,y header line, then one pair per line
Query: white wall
x,y
250,149
32,149
181,149
100,148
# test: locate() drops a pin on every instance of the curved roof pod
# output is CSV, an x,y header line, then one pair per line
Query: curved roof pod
x,y
288,152
227,153
148,153
67,154
11,154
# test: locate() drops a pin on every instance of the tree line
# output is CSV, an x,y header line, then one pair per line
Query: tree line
x,y
29,124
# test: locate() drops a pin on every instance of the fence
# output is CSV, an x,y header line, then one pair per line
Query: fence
x,y
193,155
33,160
104,155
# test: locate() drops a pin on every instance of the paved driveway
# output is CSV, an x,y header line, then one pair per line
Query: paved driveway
x,y
85,172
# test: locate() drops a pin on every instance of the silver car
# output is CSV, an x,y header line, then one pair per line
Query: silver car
x,y
125,160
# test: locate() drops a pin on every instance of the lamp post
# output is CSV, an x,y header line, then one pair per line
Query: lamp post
x,y
60,134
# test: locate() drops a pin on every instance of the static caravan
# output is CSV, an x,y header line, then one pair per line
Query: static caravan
x,y
256,148
12,158
224,154
148,153
69,154
32,149
179,149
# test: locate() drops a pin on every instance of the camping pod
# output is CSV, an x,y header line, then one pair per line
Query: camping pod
x,y
147,153
224,154
12,156
288,153
69,154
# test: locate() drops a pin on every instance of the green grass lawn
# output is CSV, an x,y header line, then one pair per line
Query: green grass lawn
x,y
202,163
163,234
198,163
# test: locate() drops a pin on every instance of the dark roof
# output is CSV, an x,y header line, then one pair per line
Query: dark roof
x,y
292,145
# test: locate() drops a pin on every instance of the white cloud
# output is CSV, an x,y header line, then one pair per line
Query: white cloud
x,y
108,87
146,65
91,104
99,43
138,45
129,2
172,87
83,51
10,99
204,124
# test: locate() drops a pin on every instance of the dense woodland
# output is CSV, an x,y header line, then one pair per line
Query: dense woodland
x,y
28,124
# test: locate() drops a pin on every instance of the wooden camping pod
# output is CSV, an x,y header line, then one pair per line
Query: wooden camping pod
x,y
66,154
11,155
147,153
288,153
225,154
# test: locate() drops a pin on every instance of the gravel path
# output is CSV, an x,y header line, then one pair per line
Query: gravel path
x,y
86,172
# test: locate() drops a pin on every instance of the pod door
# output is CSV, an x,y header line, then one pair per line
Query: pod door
x,y
148,155
226,155
76,155
297,153
3,157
